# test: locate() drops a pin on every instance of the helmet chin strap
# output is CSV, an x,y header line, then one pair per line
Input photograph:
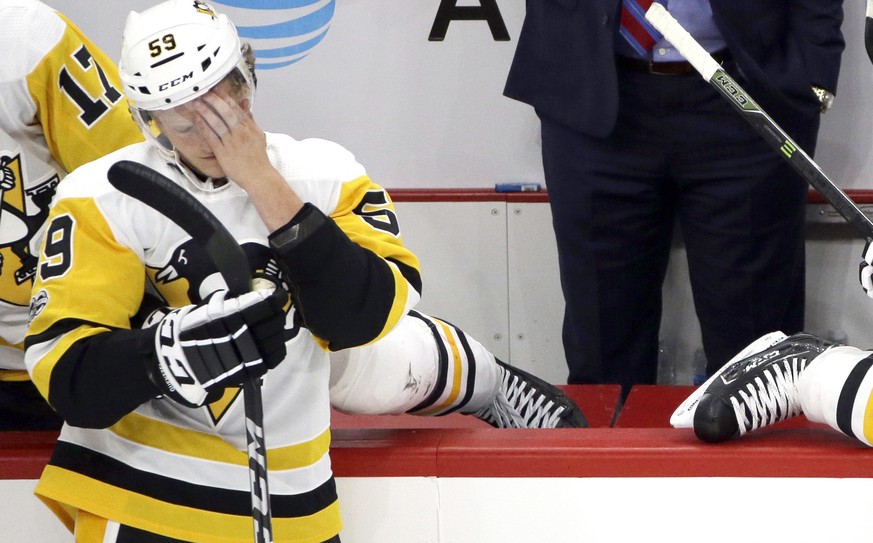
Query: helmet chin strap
x,y
195,176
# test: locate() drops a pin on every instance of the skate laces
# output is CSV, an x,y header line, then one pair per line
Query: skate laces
x,y
519,404
770,397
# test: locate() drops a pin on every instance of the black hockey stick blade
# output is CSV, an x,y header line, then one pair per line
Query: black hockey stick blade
x,y
172,201
175,203
772,133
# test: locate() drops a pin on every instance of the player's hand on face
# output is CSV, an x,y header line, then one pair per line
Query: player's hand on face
x,y
239,144
867,268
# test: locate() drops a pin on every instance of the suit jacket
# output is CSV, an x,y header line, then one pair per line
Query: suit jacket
x,y
564,63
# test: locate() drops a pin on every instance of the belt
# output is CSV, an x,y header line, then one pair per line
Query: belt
x,y
665,68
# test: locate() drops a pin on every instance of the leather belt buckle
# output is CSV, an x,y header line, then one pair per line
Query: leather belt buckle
x,y
679,67
665,68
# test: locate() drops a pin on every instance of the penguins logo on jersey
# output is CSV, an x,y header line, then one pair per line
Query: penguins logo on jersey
x,y
186,277
189,275
22,214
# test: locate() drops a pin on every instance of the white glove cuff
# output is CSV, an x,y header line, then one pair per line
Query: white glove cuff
x,y
174,369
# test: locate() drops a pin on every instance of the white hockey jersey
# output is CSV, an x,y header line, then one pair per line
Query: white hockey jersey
x,y
165,468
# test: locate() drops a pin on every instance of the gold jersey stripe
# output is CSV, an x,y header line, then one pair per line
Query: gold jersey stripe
x,y
398,310
186,442
172,520
10,376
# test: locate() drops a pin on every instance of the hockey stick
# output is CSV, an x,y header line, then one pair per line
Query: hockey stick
x,y
176,204
712,72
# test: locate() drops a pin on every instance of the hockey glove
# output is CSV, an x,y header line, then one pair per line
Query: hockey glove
x,y
867,269
220,343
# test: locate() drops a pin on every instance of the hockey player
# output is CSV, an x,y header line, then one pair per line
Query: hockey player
x,y
64,107
154,445
61,107
778,377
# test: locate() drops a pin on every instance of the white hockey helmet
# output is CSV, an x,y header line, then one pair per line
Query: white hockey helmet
x,y
176,51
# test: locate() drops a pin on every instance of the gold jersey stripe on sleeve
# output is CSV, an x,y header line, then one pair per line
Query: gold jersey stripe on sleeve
x,y
398,310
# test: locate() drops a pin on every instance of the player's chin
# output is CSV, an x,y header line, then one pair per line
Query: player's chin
x,y
207,166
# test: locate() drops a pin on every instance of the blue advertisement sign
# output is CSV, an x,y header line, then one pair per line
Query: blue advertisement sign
x,y
291,30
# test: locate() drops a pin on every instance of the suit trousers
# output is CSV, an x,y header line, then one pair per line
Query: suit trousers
x,y
679,155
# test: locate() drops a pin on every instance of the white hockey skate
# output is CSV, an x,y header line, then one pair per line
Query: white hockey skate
x,y
756,388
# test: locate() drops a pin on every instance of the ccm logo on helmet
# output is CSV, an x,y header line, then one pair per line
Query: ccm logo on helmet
x,y
175,82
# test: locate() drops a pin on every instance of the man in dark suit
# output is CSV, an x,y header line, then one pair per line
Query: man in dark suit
x,y
634,141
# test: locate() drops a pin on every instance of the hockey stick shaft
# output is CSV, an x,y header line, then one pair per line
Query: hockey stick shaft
x,y
713,73
175,203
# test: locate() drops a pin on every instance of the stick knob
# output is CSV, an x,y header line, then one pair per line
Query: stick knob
x,y
670,28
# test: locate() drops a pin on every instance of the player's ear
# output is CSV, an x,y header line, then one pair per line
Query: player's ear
x,y
249,57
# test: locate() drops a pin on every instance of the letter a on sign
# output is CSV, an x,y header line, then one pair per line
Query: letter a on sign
x,y
486,11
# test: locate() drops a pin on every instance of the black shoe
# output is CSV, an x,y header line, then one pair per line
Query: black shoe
x,y
526,401
755,391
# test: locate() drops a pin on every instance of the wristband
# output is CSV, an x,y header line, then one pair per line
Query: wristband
x,y
304,223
